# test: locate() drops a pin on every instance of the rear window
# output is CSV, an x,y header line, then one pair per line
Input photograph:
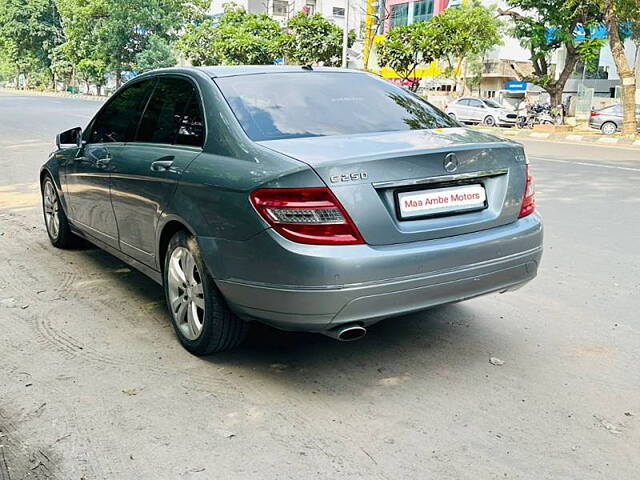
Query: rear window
x,y
305,104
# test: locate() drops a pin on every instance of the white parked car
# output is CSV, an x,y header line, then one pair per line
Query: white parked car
x,y
481,110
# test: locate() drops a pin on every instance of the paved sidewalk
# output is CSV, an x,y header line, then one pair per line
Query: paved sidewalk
x,y
79,96
577,136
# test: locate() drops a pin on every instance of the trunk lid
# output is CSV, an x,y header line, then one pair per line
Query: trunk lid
x,y
371,173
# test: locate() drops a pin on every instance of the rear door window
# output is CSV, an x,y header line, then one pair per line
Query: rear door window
x,y
172,115
118,120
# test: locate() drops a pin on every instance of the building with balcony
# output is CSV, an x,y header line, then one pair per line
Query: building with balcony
x,y
282,10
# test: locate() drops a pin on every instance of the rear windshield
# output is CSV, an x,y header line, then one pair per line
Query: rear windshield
x,y
306,104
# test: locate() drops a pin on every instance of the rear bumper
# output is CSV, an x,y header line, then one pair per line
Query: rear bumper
x,y
315,288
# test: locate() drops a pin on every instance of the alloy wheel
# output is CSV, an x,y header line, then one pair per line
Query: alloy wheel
x,y
609,128
186,293
51,209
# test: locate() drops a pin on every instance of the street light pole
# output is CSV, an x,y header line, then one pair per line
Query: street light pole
x,y
345,35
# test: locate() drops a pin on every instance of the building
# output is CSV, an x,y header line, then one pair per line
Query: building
x,y
406,12
282,10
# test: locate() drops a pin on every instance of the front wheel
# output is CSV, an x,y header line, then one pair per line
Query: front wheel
x,y
201,318
55,219
489,121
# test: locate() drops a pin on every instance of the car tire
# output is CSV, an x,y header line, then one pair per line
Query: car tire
x,y
608,128
55,218
201,318
489,121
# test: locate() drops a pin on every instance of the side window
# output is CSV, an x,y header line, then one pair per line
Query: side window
x,y
173,115
476,103
464,102
118,120
191,131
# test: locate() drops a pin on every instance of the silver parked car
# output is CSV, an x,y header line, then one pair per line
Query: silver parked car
x,y
609,119
481,110
343,202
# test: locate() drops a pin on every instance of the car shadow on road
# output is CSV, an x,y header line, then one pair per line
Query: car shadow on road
x,y
398,350
438,341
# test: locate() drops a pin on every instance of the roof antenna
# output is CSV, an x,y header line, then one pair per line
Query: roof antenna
x,y
307,67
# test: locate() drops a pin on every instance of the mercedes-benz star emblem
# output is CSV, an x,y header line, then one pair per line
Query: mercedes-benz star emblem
x,y
451,162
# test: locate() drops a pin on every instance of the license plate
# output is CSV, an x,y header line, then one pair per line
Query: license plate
x,y
440,201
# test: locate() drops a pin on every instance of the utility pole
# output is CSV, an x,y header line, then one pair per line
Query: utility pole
x,y
345,35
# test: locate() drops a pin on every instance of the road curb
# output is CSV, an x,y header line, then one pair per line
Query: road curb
x,y
34,93
587,138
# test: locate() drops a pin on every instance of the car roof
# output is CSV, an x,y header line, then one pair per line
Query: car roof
x,y
234,70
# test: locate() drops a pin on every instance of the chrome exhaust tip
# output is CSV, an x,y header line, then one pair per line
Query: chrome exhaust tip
x,y
347,333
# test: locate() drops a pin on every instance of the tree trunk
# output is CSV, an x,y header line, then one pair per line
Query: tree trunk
x,y
626,73
555,95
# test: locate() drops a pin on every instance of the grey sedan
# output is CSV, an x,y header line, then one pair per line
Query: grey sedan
x,y
609,119
320,200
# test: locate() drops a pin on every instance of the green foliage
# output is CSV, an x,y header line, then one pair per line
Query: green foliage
x,y
29,30
108,35
532,20
313,39
468,30
402,50
452,35
239,38
158,54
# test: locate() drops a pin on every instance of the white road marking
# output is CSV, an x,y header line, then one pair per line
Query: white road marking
x,y
586,164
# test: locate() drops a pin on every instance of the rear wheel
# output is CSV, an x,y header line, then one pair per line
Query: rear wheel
x,y
453,115
201,318
609,128
55,219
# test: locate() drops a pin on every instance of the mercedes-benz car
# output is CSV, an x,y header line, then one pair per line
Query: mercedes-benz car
x,y
482,111
311,199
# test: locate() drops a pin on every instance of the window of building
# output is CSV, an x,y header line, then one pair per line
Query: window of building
x,y
399,14
422,10
280,8
310,6
338,12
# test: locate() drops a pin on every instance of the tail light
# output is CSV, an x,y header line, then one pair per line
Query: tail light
x,y
306,215
529,199
594,114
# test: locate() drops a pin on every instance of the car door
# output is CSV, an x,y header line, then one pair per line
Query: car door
x,y
88,175
476,110
170,136
461,110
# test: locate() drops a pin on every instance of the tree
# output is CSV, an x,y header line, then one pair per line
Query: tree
x,y
238,38
402,51
29,30
622,18
546,26
158,54
313,39
113,32
469,30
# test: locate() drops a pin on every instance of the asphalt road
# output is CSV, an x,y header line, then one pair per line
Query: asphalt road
x,y
94,385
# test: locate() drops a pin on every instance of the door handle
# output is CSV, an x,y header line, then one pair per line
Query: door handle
x,y
162,165
103,162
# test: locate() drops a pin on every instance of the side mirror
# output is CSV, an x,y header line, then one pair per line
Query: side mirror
x,y
69,138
